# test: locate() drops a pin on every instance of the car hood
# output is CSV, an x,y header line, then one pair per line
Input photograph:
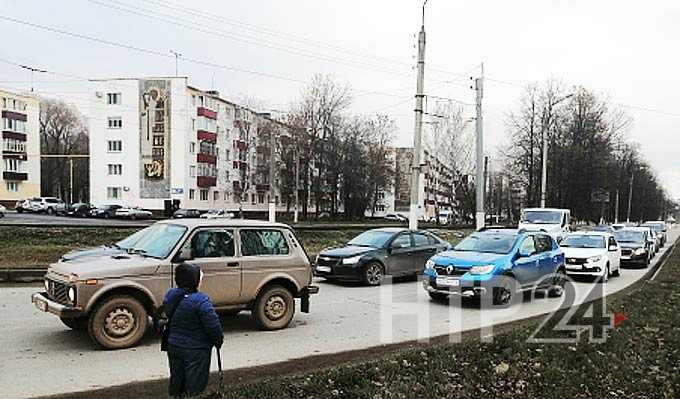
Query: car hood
x,y
631,244
106,266
468,258
103,250
346,251
582,252
548,228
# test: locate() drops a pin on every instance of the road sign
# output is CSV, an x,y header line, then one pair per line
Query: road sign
x,y
178,191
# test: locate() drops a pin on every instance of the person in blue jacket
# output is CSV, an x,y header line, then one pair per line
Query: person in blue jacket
x,y
194,329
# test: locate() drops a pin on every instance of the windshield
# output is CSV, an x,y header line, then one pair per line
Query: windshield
x,y
542,217
158,241
130,241
495,244
371,238
654,226
629,236
583,241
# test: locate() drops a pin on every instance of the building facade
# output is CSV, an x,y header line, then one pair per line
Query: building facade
x,y
20,147
158,141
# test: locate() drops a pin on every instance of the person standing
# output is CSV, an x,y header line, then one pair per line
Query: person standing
x,y
194,328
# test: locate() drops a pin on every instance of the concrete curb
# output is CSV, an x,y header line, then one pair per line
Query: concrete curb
x,y
22,275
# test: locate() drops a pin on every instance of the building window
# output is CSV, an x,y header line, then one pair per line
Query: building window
x,y
226,154
115,145
252,199
192,171
192,193
13,145
13,104
115,169
260,198
204,195
113,98
193,124
12,165
226,196
192,148
216,196
193,100
14,125
113,193
115,122
12,186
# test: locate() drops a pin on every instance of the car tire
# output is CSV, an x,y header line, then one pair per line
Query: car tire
x,y
438,296
503,294
559,280
274,308
617,273
50,211
75,323
2,215
373,274
20,210
118,322
107,216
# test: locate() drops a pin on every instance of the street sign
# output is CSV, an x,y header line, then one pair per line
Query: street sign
x,y
178,190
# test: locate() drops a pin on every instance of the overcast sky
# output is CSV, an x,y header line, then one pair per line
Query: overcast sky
x,y
625,50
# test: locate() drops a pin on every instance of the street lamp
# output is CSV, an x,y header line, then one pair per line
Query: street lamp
x,y
544,139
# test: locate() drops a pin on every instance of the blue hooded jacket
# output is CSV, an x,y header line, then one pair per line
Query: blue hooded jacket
x,y
195,324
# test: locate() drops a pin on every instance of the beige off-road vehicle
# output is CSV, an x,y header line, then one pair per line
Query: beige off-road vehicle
x,y
247,265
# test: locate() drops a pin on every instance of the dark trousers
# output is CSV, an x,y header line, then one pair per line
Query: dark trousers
x,y
189,371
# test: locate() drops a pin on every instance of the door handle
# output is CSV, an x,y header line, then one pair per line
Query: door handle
x,y
232,264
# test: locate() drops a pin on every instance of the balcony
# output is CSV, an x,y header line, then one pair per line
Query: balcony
x,y
17,176
206,158
240,164
206,181
205,135
17,116
6,134
262,187
208,113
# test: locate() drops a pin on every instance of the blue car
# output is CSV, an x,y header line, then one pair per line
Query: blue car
x,y
497,263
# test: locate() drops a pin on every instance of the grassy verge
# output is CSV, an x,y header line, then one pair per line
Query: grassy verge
x,y
37,247
640,358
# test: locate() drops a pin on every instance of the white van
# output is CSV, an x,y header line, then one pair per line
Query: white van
x,y
553,221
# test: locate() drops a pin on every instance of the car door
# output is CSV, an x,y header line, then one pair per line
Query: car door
x,y
214,251
424,248
614,255
400,259
526,268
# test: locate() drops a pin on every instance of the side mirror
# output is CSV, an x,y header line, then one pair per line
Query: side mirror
x,y
613,248
185,254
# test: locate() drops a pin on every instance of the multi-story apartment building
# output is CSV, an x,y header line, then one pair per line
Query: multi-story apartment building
x,y
20,147
158,141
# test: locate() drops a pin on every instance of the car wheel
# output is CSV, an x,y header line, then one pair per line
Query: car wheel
x,y
559,280
118,322
20,210
373,274
50,211
503,294
107,216
605,277
617,272
2,215
438,296
75,323
274,308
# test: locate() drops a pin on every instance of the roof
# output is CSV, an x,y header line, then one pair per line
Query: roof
x,y
223,222
547,209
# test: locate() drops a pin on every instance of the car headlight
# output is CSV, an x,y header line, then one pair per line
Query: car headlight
x,y
639,251
486,269
352,260
47,286
72,294
594,259
429,264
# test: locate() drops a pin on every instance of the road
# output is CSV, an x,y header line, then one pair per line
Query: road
x,y
40,356
39,219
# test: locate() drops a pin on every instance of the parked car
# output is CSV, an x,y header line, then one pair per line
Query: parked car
x,y
51,205
395,217
445,217
217,214
133,213
2,211
660,229
497,264
119,248
594,253
555,222
105,211
253,265
651,237
635,247
79,209
187,214
22,205
374,253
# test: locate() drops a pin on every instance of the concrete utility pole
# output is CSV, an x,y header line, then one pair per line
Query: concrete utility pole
x,y
479,178
616,208
177,55
297,182
272,175
630,197
417,137
544,139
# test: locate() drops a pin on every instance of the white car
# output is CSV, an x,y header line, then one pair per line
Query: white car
x,y
217,214
395,217
593,253
555,222
133,213
2,211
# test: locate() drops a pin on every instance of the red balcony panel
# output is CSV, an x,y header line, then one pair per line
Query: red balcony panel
x,y
206,181
205,135
14,115
13,135
208,113
206,158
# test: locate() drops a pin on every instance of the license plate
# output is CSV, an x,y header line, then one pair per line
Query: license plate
x,y
325,269
40,304
448,281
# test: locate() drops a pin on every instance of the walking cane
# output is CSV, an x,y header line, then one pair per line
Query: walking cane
x,y
220,377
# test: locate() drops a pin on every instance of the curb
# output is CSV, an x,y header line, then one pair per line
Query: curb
x,y
22,275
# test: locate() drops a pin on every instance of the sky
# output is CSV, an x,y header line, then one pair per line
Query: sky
x,y
265,51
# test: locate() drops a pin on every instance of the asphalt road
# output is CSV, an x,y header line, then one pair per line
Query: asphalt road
x,y
39,219
39,356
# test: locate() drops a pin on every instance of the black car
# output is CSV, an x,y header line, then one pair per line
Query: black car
x,y
79,209
635,248
187,214
374,253
105,211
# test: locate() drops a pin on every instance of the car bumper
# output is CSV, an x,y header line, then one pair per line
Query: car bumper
x,y
586,270
43,303
634,259
340,272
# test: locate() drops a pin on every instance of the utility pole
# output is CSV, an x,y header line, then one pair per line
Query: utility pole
x,y
417,137
177,55
479,179
616,208
70,161
630,196
32,70
297,182
487,185
272,174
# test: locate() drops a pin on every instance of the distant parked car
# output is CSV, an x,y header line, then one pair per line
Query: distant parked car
x,y
79,210
594,253
186,214
395,217
105,211
651,237
2,211
497,264
660,229
374,253
133,213
217,214
635,247
22,205
49,205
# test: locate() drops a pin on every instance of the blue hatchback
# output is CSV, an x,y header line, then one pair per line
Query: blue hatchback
x,y
497,263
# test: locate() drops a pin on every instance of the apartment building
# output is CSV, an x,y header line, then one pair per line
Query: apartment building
x,y
157,142
20,147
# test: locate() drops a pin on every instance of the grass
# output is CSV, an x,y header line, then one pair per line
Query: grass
x,y
34,247
640,358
